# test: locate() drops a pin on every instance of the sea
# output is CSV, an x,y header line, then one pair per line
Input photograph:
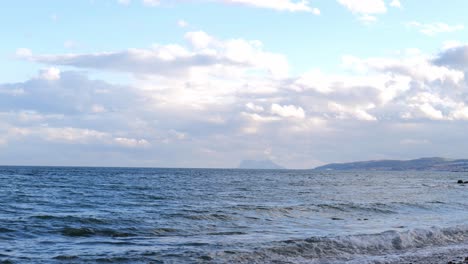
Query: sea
x,y
145,215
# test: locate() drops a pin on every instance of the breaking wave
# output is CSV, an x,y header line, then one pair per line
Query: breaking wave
x,y
318,249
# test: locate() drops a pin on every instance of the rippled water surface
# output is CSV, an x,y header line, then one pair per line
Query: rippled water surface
x,y
79,215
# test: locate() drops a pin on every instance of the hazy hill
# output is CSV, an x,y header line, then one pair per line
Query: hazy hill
x,y
435,164
259,164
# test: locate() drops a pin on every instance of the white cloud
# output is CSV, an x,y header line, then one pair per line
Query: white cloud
x,y
287,111
12,91
280,5
258,118
50,74
451,44
206,52
375,85
365,9
455,56
411,87
214,101
364,6
432,29
255,108
395,3
70,134
73,135
417,67
182,23
200,39
23,53
151,2
460,112
357,112
69,93
430,111
131,142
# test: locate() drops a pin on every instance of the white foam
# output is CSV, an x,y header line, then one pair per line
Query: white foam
x,y
388,246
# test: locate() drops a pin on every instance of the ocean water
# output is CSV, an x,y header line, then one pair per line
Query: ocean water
x,y
128,215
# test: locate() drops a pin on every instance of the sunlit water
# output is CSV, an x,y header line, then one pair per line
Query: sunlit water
x,y
79,215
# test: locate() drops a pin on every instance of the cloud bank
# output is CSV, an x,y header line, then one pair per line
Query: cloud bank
x,y
215,101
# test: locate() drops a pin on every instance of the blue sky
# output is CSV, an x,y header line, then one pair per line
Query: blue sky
x,y
207,83
94,26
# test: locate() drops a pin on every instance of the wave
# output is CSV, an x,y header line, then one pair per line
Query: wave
x,y
87,232
345,210
378,208
222,217
201,215
71,219
352,207
5,230
315,249
65,257
166,231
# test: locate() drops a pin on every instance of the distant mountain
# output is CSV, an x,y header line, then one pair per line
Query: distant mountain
x,y
431,164
259,164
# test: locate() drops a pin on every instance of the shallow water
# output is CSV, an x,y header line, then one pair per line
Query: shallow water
x,y
79,215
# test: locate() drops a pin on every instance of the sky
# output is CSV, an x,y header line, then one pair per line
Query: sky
x,y
208,83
